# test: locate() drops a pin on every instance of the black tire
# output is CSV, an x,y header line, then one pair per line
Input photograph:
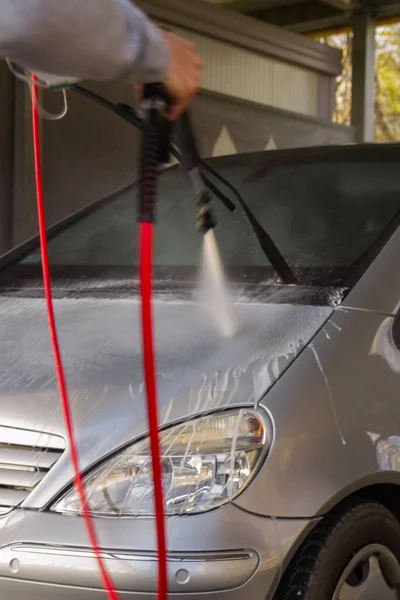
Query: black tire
x,y
319,564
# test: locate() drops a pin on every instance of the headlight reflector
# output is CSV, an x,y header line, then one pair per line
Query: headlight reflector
x,y
206,462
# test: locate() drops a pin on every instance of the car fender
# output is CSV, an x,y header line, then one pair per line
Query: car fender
x,y
336,420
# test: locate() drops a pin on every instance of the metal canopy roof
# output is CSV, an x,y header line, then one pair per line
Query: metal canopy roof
x,y
309,15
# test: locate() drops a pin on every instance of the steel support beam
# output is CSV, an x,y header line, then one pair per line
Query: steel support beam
x,y
308,15
382,7
251,6
342,4
363,85
378,7
303,16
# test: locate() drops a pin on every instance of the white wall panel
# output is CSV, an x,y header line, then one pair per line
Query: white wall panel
x,y
244,74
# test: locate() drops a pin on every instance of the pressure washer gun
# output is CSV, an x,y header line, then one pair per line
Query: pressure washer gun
x,y
157,131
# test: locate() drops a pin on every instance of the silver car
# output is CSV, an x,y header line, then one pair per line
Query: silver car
x,y
281,443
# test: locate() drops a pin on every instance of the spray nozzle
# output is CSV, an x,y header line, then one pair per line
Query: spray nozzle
x,y
205,220
205,217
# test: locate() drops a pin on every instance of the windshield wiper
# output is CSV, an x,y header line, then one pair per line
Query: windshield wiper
x,y
267,244
183,135
188,156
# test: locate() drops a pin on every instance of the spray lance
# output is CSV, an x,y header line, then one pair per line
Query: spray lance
x,y
216,298
184,139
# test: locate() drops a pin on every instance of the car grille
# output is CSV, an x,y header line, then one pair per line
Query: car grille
x,y
25,458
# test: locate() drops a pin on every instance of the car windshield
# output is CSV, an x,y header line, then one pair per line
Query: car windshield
x,y
325,209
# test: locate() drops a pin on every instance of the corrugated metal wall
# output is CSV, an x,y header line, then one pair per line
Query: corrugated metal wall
x,y
246,75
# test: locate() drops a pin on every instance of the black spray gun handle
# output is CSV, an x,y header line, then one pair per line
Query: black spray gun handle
x,y
155,109
155,146
157,133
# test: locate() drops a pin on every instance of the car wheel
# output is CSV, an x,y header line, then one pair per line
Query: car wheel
x,y
353,554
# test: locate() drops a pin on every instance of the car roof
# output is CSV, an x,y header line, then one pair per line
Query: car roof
x,y
315,153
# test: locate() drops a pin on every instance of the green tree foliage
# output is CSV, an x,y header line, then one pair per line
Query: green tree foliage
x,y
387,81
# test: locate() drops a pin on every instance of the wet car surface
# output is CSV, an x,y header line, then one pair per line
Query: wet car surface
x,y
267,435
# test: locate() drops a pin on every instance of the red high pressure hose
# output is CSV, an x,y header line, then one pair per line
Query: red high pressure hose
x,y
146,251
148,189
62,387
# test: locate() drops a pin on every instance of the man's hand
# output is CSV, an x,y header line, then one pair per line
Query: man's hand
x,y
184,76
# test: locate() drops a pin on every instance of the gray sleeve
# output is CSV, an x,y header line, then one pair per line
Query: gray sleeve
x,y
83,39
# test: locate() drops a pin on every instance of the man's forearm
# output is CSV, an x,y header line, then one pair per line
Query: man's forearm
x,y
84,39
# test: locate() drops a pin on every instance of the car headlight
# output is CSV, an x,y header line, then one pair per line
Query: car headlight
x,y
206,462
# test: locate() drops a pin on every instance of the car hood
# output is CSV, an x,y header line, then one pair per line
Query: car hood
x,y
197,369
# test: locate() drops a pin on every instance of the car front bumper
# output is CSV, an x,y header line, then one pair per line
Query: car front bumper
x,y
225,554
